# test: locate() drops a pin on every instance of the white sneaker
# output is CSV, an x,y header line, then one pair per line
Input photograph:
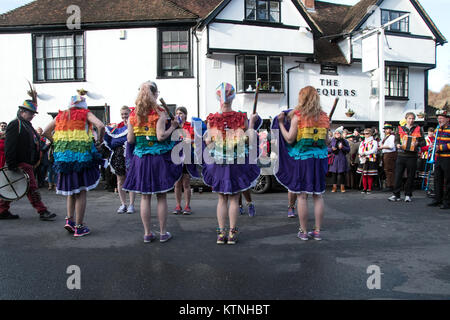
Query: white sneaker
x,y
130,209
122,209
394,198
408,199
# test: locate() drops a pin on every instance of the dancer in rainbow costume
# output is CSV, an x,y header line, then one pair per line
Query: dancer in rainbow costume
x,y
151,169
230,172
76,159
183,186
303,156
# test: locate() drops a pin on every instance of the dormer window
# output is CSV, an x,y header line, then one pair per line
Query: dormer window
x,y
389,15
262,10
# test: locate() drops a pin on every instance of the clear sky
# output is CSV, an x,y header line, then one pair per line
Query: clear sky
x,y
438,10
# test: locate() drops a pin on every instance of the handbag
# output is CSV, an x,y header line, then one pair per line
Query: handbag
x,y
331,159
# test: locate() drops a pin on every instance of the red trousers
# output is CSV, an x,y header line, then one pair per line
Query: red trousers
x,y
367,182
33,193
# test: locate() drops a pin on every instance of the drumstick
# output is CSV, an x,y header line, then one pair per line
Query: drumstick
x,y
255,101
333,108
164,105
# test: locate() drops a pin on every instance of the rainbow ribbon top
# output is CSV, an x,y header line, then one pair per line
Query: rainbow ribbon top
x,y
73,140
146,139
311,137
231,126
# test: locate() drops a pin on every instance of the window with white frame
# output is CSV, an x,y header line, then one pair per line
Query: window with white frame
x,y
58,57
396,82
262,10
389,15
249,68
174,53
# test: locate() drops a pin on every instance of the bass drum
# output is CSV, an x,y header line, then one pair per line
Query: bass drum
x,y
13,184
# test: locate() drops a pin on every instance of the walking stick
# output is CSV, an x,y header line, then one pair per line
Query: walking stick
x,y
164,105
333,108
255,101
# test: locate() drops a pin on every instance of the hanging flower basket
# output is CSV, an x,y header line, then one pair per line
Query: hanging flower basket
x,y
350,113
421,115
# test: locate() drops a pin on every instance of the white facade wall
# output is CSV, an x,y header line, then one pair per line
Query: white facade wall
x,y
398,48
244,37
114,70
410,50
235,10
16,67
262,38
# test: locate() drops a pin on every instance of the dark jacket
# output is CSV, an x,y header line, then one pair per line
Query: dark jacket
x,y
22,143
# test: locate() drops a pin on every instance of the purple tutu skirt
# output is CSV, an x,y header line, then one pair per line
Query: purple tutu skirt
x,y
302,176
299,176
75,182
192,170
152,174
230,178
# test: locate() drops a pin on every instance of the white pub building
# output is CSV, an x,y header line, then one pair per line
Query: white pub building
x,y
109,47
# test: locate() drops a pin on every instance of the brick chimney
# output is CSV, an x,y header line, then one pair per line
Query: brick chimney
x,y
309,4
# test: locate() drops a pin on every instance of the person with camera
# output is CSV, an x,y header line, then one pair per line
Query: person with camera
x,y
339,147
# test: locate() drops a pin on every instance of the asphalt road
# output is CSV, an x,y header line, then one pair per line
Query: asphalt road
x,y
408,242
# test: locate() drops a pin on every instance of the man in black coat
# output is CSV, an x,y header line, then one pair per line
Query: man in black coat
x,y
22,150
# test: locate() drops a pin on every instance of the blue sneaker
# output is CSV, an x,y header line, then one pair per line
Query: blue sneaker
x,y
165,237
221,236
233,238
251,210
315,235
149,238
122,209
241,210
81,231
302,235
291,213
70,225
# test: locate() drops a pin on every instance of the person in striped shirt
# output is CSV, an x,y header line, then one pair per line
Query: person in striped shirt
x,y
442,164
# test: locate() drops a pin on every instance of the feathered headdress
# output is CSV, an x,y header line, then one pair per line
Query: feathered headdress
x,y
30,104
82,92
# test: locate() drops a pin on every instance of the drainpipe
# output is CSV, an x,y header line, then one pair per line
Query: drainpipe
x,y
194,31
287,72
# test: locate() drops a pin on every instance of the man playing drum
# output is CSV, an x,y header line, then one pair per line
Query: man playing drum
x,y
22,151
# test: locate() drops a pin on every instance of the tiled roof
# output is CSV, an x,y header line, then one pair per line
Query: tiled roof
x,y
54,12
329,17
335,20
327,51
356,14
201,8
328,20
